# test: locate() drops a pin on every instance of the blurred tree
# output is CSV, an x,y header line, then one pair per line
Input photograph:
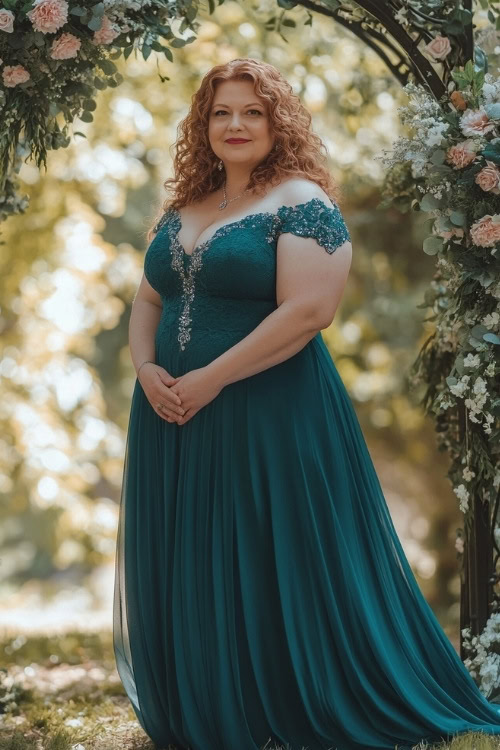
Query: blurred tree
x,y
72,264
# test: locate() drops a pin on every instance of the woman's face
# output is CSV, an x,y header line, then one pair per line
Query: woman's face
x,y
238,113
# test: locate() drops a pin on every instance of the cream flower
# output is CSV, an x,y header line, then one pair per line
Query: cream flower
x,y
6,20
486,231
107,33
488,178
48,15
66,46
461,154
476,122
439,47
14,74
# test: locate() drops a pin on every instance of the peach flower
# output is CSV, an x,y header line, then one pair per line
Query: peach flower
x,y
106,34
67,45
476,122
14,74
489,178
461,154
458,100
6,20
486,231
439,47
48,15
455,232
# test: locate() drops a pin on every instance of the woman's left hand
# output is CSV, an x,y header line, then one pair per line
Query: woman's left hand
x,y
195,389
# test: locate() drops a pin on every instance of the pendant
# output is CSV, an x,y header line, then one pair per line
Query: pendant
x,y
223,204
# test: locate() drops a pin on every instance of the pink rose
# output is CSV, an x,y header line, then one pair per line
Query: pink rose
x,y
6,20
476,122
489,178
66,46
106,34
14,74
48,15
486,231
461,154
439,47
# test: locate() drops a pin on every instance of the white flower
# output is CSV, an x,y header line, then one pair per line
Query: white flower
x,y
459,544
479,386
491,320
463,495
459,388
468,474
490,370
472,360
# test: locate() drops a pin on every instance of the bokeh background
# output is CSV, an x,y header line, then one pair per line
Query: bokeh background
x,y
70,266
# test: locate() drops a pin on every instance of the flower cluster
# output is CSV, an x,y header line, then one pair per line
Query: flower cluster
x,y
483,656
452,172
55,56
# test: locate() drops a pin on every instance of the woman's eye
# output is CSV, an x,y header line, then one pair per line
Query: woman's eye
x,y
223,111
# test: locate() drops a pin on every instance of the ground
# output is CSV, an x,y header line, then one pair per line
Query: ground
x,y
63,693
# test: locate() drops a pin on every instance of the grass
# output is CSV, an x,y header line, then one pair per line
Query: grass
x,y
63,692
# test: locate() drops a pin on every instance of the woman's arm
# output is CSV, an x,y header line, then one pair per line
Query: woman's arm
x,y
144,318
309,287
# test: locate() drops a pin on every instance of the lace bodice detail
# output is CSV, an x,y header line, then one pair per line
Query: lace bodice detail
x,y
310,219
237,263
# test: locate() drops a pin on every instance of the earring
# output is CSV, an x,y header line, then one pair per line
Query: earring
x,y
220,165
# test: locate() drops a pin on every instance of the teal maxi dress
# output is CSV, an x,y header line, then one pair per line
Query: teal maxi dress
x,y
262,596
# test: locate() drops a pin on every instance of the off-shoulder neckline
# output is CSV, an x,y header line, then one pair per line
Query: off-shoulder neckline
x,y
277,215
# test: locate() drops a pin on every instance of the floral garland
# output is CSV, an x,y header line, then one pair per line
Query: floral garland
x,y
450,167
54,58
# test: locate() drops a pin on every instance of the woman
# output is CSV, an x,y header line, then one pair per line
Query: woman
x,y
261,593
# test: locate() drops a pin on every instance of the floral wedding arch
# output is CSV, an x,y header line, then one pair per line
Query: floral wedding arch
x,y
55,56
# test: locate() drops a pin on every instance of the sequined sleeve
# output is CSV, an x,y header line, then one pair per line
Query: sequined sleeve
x,y
315,219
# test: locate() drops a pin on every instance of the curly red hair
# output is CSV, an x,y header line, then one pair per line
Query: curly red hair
x,y
299,152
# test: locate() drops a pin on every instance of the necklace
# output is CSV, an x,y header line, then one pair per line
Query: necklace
x,y
225,201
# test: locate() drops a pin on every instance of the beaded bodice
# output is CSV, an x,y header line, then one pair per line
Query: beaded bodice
x,y
227,283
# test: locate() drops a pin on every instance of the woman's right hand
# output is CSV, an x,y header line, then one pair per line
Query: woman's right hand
x,y
156,383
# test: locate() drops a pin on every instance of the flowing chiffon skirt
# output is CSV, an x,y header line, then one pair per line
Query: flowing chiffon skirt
x,y
262,596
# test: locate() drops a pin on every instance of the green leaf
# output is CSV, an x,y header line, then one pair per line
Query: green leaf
x,y
86,116
429,202
492,152
451,380
432,245
89,104
146,51
95,23
492,338
99,83
458,218
107,66
478,330
438,156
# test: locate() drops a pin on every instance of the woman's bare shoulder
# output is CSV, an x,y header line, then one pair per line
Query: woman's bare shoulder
x,y
300,190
